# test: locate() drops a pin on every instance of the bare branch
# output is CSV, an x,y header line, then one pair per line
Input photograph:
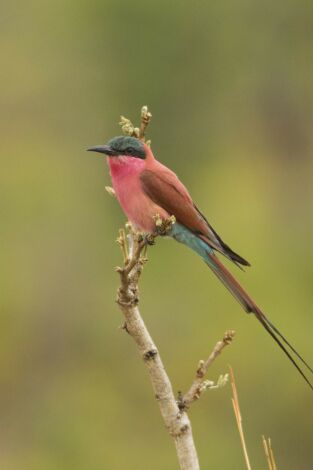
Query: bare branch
x,y
176,421
199,385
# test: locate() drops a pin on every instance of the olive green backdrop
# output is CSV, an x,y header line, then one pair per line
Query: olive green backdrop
x,y
230,88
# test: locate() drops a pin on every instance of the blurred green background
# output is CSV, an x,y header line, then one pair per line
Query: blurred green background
x,y
230,88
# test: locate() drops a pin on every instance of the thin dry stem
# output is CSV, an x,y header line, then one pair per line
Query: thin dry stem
x,y
199,385
236,407
267,445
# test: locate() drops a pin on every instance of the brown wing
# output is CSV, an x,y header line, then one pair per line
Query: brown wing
x,y
165,190
172,196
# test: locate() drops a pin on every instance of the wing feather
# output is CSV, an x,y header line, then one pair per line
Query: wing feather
x,y
165,190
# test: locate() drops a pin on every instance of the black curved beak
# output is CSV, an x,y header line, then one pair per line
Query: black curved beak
x,y
106,149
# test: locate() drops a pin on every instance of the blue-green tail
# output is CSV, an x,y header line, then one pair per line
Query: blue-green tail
x,y
190,239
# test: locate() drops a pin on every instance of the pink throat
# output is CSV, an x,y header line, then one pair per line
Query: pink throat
x,y
138,207
124,166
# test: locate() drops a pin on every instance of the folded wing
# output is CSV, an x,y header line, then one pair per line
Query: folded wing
x,y
165,190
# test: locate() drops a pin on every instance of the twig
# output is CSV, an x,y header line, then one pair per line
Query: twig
x,y
128,128
110,191
269,453
236,407
121,240
145,119
176,420
139,132
199,385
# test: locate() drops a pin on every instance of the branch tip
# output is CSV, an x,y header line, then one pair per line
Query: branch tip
x,y
129,129
199,385
110,191
229,336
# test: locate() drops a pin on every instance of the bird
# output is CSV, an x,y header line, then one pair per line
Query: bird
x,y
144,188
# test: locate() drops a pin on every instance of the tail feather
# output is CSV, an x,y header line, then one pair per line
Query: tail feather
x,y
250,307
263,320
273,327
201,246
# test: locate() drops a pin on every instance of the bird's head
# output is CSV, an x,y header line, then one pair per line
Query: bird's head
x,y
122,146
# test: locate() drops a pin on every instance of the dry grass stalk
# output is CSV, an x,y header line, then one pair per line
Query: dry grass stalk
x,y
236,407
269,453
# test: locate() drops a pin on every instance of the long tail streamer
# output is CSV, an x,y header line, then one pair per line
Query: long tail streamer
x,y
250,307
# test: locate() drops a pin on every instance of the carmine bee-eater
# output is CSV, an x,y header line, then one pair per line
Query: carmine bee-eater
x,y
144,187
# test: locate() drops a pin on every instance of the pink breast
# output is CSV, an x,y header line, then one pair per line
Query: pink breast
x,y
139,209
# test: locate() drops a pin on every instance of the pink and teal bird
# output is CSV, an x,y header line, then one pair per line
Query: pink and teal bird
x,y
144,187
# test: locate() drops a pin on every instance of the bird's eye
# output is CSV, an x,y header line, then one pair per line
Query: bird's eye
x,y
130,151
